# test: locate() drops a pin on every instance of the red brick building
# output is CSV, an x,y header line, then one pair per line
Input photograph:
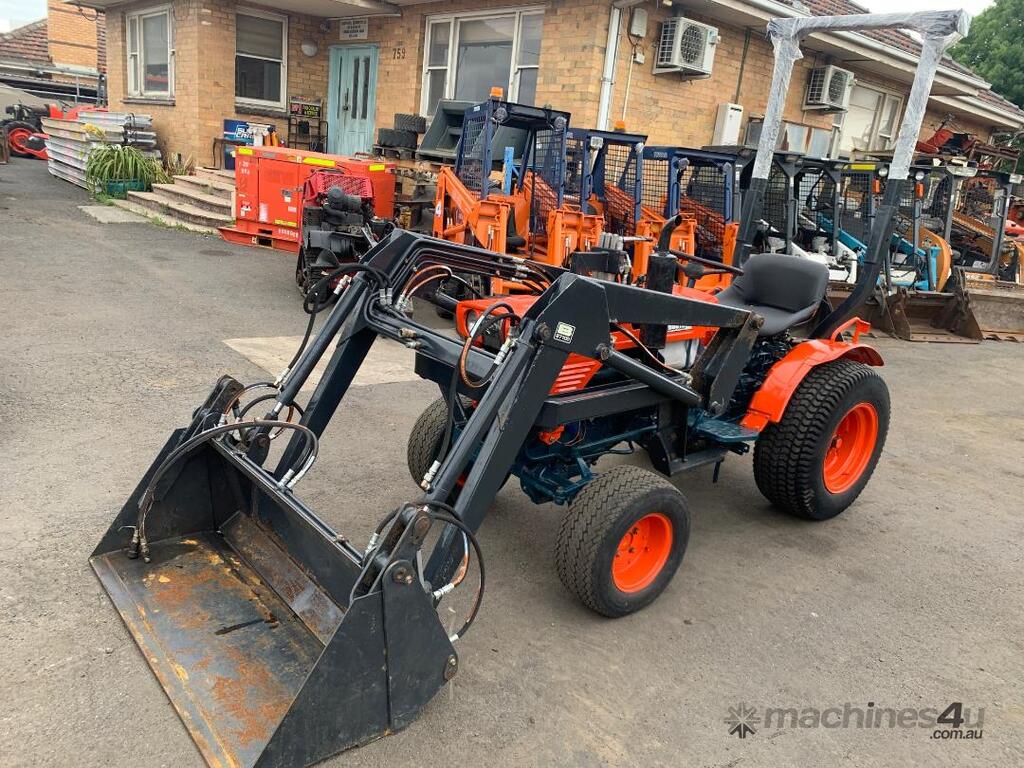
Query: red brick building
x,y
193,63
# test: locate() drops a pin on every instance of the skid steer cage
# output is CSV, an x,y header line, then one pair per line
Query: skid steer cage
x,y
278,641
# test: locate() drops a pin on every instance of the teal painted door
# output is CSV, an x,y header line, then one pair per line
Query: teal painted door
x,y
352,98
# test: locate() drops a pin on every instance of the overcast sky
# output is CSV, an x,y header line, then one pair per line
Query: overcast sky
x,y
18,12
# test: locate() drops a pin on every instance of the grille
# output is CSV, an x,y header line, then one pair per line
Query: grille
x,y
655,185
547,176
691,45
575,168
856,204
703,190
474,155
816,86
620,188
774,210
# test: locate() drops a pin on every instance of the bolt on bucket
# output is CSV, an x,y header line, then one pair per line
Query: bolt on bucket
x,y
276,643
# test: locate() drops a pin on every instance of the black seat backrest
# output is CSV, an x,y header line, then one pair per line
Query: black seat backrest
x,y
790,283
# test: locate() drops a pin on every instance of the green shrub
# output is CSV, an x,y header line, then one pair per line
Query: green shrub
x,y
121,163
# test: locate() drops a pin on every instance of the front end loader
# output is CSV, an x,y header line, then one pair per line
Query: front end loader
x,y
281,641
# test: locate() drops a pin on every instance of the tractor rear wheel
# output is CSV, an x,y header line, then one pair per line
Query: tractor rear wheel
x,y
817,459
622,540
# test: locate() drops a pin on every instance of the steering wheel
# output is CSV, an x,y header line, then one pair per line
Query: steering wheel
x,y
711,267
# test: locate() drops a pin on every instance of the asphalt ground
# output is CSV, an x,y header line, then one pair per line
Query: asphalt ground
x,y
912,599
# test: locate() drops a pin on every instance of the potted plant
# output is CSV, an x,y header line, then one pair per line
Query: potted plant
x,y
114,169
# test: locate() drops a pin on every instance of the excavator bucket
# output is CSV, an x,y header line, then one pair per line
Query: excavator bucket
x,y
259,621
997,306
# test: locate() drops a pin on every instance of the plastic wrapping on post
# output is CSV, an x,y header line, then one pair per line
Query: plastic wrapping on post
x,y
939,30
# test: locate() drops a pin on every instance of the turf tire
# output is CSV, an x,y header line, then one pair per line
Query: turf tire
x,y
598,519
789,455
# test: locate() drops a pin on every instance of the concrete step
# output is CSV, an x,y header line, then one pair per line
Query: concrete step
x,y
166,207
165,219
217,174
189,195
207,185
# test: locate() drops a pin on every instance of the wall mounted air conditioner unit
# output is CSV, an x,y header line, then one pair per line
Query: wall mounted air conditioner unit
x,y
828,88
686,47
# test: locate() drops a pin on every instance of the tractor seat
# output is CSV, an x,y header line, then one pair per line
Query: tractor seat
x,y
785,290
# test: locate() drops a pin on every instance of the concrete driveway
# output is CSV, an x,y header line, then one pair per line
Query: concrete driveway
x,y
910,600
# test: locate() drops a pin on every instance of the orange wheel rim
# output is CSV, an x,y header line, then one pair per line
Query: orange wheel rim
x,y
18,138
850,448
642,553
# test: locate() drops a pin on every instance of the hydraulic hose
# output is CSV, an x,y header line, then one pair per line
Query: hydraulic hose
x,y
139,543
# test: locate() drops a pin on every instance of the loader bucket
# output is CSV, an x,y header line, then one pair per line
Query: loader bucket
x,y
257,621
915,315
998,307
926,316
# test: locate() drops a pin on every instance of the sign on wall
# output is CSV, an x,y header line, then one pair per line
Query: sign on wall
x,y
353,29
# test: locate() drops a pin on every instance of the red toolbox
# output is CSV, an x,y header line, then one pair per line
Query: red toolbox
x,y
268,192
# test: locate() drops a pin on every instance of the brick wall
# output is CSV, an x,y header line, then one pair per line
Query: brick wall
x,y
71,35
670,109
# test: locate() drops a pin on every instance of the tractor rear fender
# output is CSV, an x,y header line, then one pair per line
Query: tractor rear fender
x,y
770,401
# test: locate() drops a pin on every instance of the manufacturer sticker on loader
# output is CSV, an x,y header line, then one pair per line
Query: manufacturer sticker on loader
x,y
564,332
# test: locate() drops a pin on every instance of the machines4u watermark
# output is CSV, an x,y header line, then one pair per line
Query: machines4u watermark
x,y
952,721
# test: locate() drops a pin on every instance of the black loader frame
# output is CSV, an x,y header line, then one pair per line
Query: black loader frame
x,y
340,645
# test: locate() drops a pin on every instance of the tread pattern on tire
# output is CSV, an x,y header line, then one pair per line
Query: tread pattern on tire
x,y
9,126
424,436
785,453
586,522
413,123
391,137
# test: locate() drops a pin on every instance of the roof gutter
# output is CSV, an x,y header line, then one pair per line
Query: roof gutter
x,y
982,108
777,10
50,69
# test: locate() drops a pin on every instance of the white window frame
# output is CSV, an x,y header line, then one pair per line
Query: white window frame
x,y
450,66
876,124
265,103
135,74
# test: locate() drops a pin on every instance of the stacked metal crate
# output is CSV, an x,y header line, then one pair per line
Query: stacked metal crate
x,y
69,142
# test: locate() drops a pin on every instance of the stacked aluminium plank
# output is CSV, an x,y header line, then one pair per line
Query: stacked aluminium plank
x,y
69,142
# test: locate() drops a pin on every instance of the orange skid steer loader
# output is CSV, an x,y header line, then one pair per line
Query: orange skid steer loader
x,y
506,192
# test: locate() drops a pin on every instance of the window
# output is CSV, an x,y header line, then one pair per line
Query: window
x,y
261,66
871,122
468,54
150,49
796,137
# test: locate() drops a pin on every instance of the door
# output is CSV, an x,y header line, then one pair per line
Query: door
x,y
352,98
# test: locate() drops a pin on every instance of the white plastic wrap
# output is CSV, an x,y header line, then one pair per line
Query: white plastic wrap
x,y
938,29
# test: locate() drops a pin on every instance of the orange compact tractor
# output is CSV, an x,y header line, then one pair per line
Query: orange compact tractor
x,y
282,642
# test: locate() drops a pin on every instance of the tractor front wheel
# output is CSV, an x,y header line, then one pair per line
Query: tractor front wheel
x,y
622,540
817,459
